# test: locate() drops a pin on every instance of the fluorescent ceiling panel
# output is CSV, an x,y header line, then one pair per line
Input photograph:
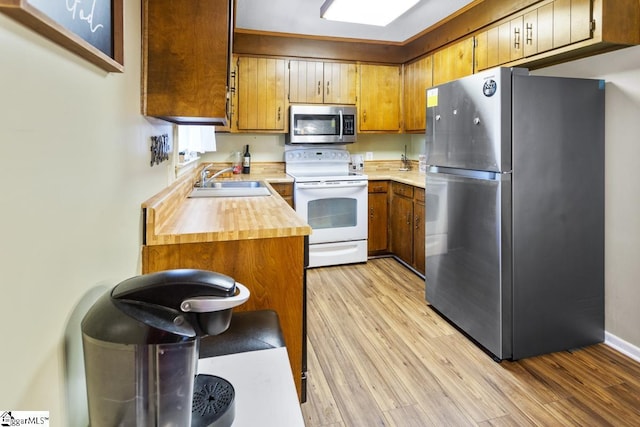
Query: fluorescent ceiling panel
x,y
369,12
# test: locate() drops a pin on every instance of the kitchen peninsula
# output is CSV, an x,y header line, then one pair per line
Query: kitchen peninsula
x,y
259,241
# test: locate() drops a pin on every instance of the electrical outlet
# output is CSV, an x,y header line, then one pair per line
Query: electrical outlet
x,y
368,155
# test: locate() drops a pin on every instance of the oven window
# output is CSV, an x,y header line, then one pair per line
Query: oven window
x,y
332,213
316,124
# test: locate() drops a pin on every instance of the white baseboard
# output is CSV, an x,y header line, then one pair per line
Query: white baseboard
x,y
622,346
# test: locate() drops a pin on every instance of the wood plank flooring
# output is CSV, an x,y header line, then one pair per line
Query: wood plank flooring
x,y
379,356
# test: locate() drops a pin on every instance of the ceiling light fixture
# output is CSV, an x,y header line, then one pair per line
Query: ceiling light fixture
x,y
370,12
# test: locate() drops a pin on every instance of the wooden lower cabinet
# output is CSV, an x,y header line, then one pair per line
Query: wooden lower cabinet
x,y
285,190
272,269
401,221
378,217
419,236
406,225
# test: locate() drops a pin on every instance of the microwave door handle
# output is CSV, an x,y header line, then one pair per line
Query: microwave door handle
x,y
341,125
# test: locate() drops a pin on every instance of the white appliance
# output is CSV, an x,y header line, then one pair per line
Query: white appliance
x,y
333,201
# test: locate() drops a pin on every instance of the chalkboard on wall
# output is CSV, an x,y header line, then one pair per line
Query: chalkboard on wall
x,y
92,29
91,20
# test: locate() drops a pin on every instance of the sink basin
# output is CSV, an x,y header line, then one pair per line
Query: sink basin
x,y
231,189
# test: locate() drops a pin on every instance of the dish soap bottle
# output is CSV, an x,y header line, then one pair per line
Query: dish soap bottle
x,y
246,161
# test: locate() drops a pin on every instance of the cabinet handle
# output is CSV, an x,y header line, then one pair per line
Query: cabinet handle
x,y
319,87
408,218
417,222
328,88
279,111
371,212
364,116
516,38
529,39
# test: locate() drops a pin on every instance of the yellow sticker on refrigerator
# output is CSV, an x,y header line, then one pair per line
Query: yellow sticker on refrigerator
x,y
432,97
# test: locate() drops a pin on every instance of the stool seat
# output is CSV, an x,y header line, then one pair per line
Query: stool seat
x,y
248,331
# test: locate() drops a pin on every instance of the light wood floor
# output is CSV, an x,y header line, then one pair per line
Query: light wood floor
x,y
378,356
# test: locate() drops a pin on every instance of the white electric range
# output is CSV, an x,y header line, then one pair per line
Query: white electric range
x,y
333,201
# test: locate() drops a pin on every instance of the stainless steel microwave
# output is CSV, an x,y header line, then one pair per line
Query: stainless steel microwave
x,y
322,124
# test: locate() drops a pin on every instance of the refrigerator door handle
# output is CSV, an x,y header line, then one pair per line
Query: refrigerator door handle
x,y
467,173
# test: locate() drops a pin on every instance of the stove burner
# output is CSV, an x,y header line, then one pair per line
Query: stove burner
x,y
213,402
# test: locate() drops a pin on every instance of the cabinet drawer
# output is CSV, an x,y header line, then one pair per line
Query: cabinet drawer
x,y
400,189
378,186
418,194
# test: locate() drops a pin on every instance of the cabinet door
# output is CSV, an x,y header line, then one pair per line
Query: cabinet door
x,y
504,43
186,62
379,108
453,62
544,31
285,190
306,82
339,83
515,26
493,50
571,21
418,77
378,222
530,40
561,23
481,53
580,20
261,94
401,227
419,237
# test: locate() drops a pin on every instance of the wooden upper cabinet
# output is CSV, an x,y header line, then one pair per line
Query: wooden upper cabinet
x,y
571,21
186,60
315,82
561,23
260,94
418,77
340,83
306,82
538,30
379,100
453,62
556,31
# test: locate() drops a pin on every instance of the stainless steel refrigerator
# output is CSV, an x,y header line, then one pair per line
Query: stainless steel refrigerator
x,y
515,210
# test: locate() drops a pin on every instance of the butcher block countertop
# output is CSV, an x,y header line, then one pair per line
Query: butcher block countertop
x,y
390,171
173,218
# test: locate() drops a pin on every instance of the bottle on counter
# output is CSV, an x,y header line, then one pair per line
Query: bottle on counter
x,y
246,161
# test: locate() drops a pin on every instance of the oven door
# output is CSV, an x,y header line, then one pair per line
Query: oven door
x,y
335,210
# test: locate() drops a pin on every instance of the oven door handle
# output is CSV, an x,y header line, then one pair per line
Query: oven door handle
x,y
341,125
312,185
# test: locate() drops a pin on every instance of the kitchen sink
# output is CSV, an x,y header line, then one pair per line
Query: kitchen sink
x,y
231,189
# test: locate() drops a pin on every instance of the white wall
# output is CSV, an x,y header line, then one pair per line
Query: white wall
x,y
74,170
270,147
621,71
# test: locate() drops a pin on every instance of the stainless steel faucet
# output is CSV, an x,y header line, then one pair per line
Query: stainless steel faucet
x,y
203,175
